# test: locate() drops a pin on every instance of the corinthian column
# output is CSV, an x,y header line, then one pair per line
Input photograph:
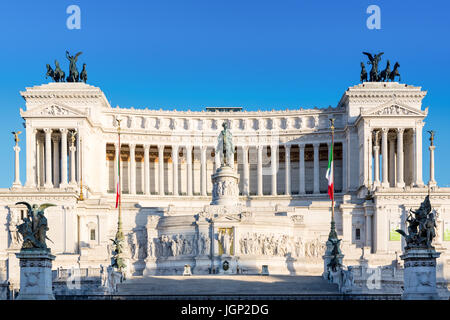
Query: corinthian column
x,y
63,157
432,182
301,168
203,170
273,163
161,169
189,169
287,170
260,177
55,162
146,169
31,156
72,149
16,182
316,167
48,158
133,168
175,169
246,183
376,158
418,154
400,181
384,146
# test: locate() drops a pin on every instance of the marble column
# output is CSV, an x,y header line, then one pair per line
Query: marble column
x,y
16,182
392,165
146,169
189,169
175,169
48,158
376,158
73,181
56,162
203,170
400,180
418,155
132,168
301,167
384,147
344,166
246,182
287,170
369,160
31,156
432,181
161,169
316,167
259,169
368,229
63,157
273,164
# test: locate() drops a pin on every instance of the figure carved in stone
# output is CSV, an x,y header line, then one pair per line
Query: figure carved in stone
x,y
14,235
132,244
34,227
225,241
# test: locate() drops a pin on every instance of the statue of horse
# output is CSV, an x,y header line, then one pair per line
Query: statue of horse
x,y
59,74
50,72
384,75
363,76
395,73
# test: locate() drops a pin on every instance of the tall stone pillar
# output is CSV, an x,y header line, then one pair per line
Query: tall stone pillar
x,y
287,169
316,167
400,181
376,160
48,158
260,176
16,183
203,170
418,155
189,169
368,228
246,171
73,181
384,146
147,169
432,181
369,160
301,148
56,162
161,169
63,157
175,169
31,156
132,168
273,164
392,165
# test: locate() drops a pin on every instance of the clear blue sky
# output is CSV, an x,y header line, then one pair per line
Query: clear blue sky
x,y
255,54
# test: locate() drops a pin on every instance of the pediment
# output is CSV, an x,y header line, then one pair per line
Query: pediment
x,y
394,108
53,109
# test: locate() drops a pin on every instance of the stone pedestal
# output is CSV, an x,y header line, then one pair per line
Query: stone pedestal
x,y
150,267
35,275
225,186
420,274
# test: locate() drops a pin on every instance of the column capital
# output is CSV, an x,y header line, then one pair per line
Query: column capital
x,y
260,147
245,147
175,146
188,147
301,146
377,148
287,146
132,145
400,130
316,144
161,147
384,131
48,130
146,148
63,130
203,148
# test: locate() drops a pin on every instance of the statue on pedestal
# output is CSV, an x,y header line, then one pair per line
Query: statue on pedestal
x,y
225,146
421,227
34,227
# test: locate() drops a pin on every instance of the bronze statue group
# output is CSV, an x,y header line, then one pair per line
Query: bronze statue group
x,y
375,75
58,75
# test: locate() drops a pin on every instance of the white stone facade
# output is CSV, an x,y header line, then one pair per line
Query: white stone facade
x,y
167,158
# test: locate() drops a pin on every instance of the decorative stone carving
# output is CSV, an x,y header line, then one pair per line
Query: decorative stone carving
x,y
55,111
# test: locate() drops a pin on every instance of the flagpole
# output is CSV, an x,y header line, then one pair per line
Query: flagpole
x,y
119,239
333,234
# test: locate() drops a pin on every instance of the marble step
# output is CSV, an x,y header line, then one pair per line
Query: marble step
x,y
226,284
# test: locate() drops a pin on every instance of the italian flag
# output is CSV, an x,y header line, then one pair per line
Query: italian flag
x,y
118,187
330,175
